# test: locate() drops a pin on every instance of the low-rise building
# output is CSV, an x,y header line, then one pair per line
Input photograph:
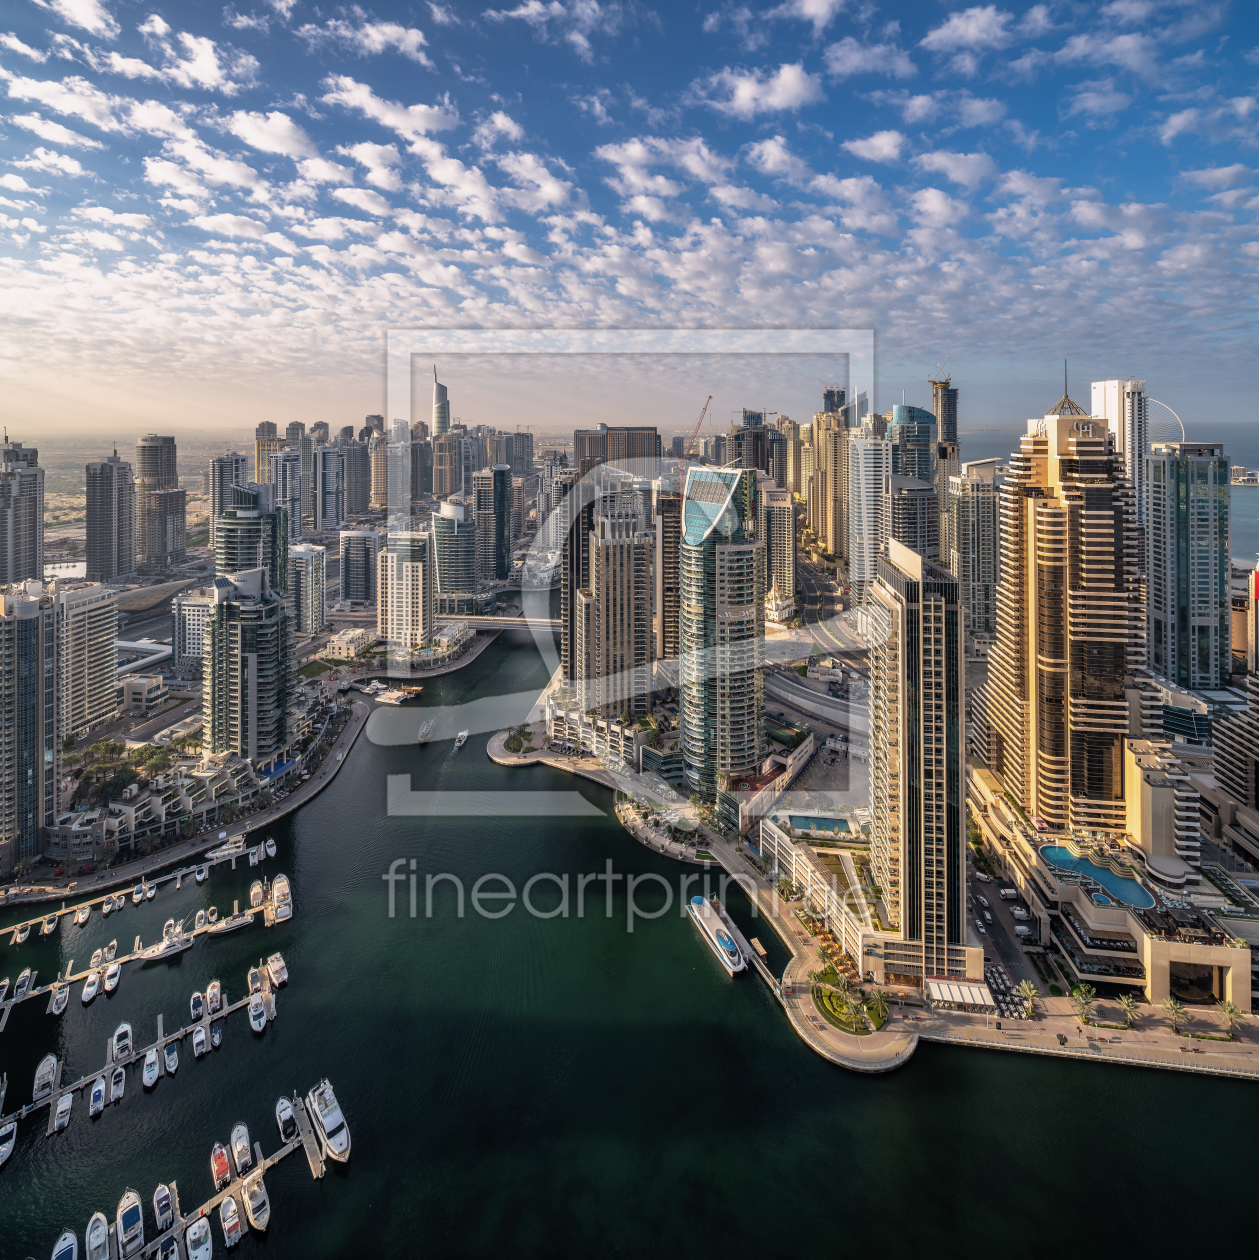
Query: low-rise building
x,y
141,695
347,644
608,738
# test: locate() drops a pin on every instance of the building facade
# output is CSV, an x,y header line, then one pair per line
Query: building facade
x,y
21,515
359,549
87,655
1122,405
404,583
667,573
491,510
869,464
111,520
306,587
974,536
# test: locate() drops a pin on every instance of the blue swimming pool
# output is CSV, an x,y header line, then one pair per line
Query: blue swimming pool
x,y
1127,891
837,825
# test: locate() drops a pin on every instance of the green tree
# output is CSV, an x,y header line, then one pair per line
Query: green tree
x,y
1084,998
1029,993
1229,1013
1175,1012
1128,1004
823,957
877,1002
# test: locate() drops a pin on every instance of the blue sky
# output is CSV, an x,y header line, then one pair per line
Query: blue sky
x,y
213,212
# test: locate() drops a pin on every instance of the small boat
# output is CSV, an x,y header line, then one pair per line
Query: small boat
x,y
269,847
4,988
169,929
220,1169
199,922
22,933
67,1247
212,914
96,1103
425,732
137,894
198,1042
150,891
50,925
97,955
167,948
330,1125
44,1075
91,986
196,1007
61,995
163,1208
213,996
286,1119
257,1205
107,908
113,973
8,1135
120,901
282,898
198,1241
257,1013
129,1224
117,1084
242,918
253,856
97,1237
201,876
276,969
216,1035
23,984
461,738
111,951
255,894
62,1118
81,915
150,1069
229,1218
171,1054
254,980
242,1157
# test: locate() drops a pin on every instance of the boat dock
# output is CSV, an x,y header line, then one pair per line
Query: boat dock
x,y
750,955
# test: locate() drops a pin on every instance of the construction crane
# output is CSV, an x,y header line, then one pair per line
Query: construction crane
x,y
690,446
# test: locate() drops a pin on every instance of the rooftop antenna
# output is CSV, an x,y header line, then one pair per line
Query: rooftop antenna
x,y
1065,391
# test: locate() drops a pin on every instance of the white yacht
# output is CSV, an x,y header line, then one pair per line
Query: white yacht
x,y
62,1118
129,1225
257,1205
96,1103
286,1119
461,738
330,1125
717,935
216,1035
163,1208
198,1240
425,734
44,1075
111,951
282,898
212,915
200,921
270,848
200,874
237,919
113,974
229,1218
117,1085
276,969
196,1007
67,1247
22,933
61,995
97,956
137,894
242,1156
91,986
8,1135
198,1042
97,1237
171,1055
233,848
107,907
213,996
150,891
50,925
253,856
167,948
150,1069
23,984
257,1013
255,894
81,915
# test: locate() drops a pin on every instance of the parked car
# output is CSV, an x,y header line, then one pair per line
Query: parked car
x,y
983,931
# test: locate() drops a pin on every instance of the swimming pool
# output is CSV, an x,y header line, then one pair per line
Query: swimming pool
x,y
1127,891
837,825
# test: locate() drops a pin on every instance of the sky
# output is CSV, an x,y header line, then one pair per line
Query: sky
x,y
209,215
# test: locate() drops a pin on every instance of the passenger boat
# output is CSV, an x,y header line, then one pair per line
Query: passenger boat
x,y
255,894
229,1218
286,1119
269,847
257,1205
62,1118
254,980
61,995
461,738
196,1007
213,996
44,1076
163,1208
117,1085
257,1013
150,1069
129,1224
216,1035
22,933
201,874
239,919
113,973
282,898
212,914
150,891
716,934
67,1247
199,922
8,1135
171,1054
97,955
137,894
198,1241
220,1169
276,969
96,1103
91,986
81,915
23,984
425,732
97,1237
253,856
50,925
242,1157
330,1125
198,1042
111,950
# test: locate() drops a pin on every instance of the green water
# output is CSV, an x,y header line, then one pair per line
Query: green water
x,y
563,1088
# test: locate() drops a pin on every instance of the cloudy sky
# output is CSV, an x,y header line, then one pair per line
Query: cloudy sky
x,y
208,215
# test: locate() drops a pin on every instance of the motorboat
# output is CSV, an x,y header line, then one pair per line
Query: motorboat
x,y
242,1157
198,1241
257,1205
150,1069
198,1042
23,985
19,937
44,1075
286,1119
107,908
199,922
81,915
67,1247
113,973
255,894
239,919
120,901
129,1224
91,986
150,891
96,1102
167,948
169,929
111,951
97,955
253,856
330,1125
167,1249
254,980
196,1007
8,1136
229,1218
212,915
220,1169
4,988
716,933
461,738
50,925
201,875
216,1035
213,996
282,898
60,996
276,969
269,848
137,894
62,1118
170,1053
257,1013
233,848
426,732
163,1208
97,1237
117,1085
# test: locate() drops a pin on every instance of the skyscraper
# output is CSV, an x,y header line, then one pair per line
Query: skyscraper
x,y
378,453
944,407
358,478
359,549
910,513
832,398
294,433
248,537
447,472
974,534
404,583
87,655
266,444
722,629
869,464
776,528
306,587
454,550
441,407
286,479
328,501
1122,405
111,520
161,506
667,573
156,463
21,514
912,434
226,471
491,510
190,614
1188,564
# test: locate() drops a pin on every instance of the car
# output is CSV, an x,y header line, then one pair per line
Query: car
x,y
87,868
987,916
983,931
983,901
58,872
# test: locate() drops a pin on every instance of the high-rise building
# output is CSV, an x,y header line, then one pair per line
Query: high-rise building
x,y
247,537
519,509
918,767
975,557
1052,718
441,407
226,471
948,464
248,669
87,655
30,753
156,463
306,581
1189,601
328,501
286,481
454,549
722,629
404,584
358,478
111,520
910,512
869,464
310,476
267,443
375,423
421,469
911,432
359,549
833,399
776,527
1122,405
378,452
944,407
776,447
294,433
265,429
576,520
191,612
667,573
21,514
161,507
491,510
447,470
319,431
1236,741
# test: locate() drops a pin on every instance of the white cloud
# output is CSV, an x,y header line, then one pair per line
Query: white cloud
x,y
883,146
412,122
215,168
379,159
166,174
596,105
980,27
89,15
1137,52
96,239
819,12
575,23
635,179
497,125
103,214
961,168
73,96
443,15
15,183
13,44
368,38
466,187
774,158
936,209
1217,176
849,57
537,187
1097,101
51,162
202,63
747,93
246,21
319,170
363,199
230,225
272,133
46,129
738,197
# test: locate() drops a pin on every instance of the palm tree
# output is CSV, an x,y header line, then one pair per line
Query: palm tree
x,y
1230,1013
815,977
823,956
1084,998
1174,1011
1128,1004
855,1013
1029,993
878,1004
